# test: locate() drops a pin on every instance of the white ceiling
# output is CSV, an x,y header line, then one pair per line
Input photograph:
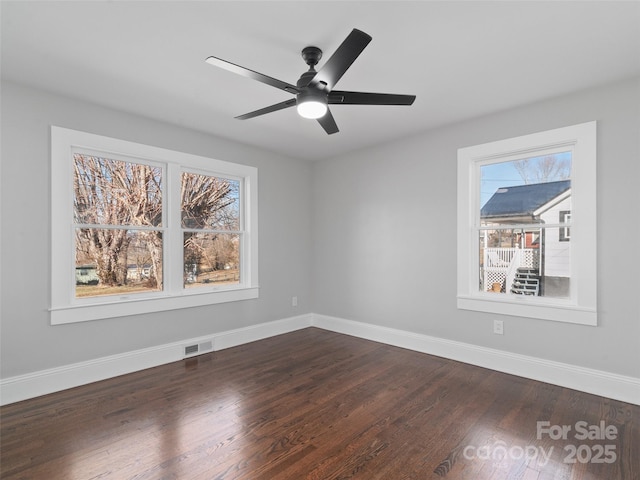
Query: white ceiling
x,y
461,59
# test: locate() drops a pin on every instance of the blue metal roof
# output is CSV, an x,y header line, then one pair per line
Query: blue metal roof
x,y
522,199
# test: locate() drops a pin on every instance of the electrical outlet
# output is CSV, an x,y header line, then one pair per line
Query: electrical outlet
x,y
498,327
294,301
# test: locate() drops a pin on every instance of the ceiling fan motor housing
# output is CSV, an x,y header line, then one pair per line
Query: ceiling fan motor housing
x,y
312,95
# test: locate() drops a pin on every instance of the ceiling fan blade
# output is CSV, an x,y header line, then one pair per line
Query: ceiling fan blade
x,y
341,60
245,72
328,123
273,108
364,98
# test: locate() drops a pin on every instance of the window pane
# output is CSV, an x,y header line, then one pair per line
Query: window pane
x,y
211,258
113,192
209,202
117,261
523,261
521,191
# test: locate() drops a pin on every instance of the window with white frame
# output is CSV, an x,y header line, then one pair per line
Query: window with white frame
x,y
139,229
520,200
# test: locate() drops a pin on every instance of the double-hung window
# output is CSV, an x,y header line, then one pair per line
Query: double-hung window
x,y
527,226
139,229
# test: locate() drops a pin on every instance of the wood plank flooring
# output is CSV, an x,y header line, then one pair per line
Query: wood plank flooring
x,y
313,404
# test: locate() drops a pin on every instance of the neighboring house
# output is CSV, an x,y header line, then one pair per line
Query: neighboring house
x,y
138,272
86,275
543,252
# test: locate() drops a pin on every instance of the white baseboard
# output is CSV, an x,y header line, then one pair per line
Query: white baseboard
x,y
22,387
253,333
588,380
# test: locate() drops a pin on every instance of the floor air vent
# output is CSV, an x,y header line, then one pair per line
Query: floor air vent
x,y
191,349
198,348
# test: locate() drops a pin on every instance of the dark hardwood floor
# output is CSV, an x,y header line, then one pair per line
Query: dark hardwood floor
x,y
314,404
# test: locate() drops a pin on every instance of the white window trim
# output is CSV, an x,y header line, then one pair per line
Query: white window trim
x,y
581,306
65,308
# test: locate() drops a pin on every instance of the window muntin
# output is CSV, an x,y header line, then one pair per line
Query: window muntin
x,y
575,300
143,184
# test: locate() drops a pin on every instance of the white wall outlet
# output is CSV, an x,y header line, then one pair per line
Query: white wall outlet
x,y
294,301
498,327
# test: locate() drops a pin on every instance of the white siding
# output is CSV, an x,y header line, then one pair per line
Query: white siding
x,y
557,254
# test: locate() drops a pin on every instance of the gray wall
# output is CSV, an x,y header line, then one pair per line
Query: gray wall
x,y
28,342
369,236
385,234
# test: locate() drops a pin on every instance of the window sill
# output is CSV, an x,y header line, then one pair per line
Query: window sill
x,y
521,306
120,308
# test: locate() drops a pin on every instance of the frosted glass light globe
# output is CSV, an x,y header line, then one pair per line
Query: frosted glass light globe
x,y
312,109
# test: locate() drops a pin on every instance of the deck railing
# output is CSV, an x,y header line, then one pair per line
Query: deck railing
x,y
500,265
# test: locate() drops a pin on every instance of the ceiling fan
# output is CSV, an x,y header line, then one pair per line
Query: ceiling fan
x,y
314,90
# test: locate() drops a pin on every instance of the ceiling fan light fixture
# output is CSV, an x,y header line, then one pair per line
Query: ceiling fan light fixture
x,y
312,108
